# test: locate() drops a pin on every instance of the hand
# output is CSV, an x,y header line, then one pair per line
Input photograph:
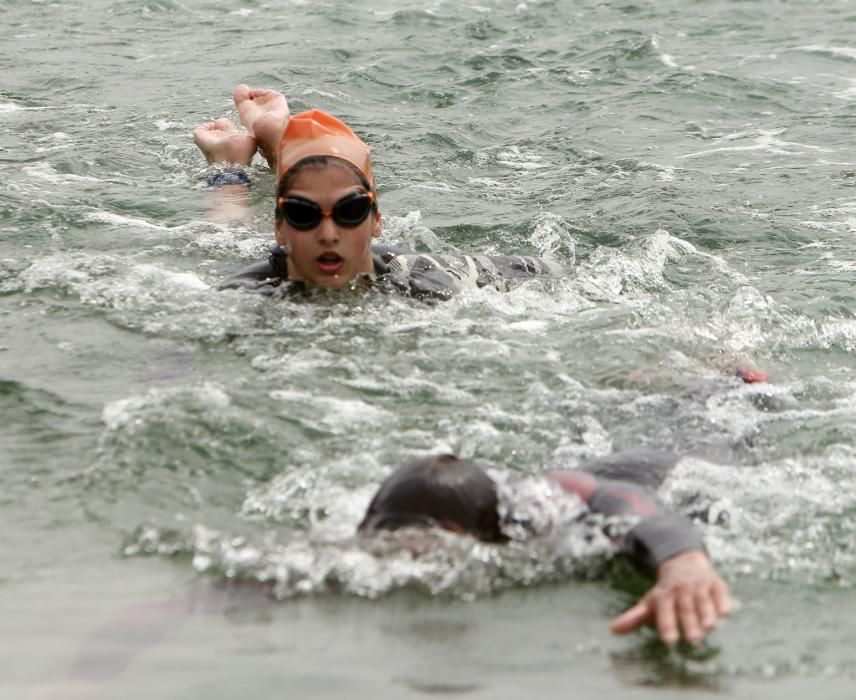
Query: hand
x,y
689,597
750,375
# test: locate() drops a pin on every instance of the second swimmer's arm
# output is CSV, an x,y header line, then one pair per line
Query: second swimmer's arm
x,y
688,596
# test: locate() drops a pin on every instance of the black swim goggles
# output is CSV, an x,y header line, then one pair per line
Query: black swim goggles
x,y
305,215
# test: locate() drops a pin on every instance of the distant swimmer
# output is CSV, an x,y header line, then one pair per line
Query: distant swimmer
x,y
457,495
327,216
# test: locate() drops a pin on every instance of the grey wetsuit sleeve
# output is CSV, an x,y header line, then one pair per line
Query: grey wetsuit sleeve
x,y
648,468
659,534
661,537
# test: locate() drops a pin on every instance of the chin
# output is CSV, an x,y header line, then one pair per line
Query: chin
x,y
338,282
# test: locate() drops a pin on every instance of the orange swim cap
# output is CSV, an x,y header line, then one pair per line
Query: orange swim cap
x,y
316,133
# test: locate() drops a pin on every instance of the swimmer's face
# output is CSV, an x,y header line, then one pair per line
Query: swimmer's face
x,y
329,254
416,540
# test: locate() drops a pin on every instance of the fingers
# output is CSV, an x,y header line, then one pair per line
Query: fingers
x,y
667,621
632,618
241,93
224,123
688,617
706,610
680,605
221,124
691,613
687,613
255,93
722,598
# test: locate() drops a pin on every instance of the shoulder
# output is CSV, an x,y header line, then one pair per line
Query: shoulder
x,y
414,274
261,275
441,275
521,266
648,468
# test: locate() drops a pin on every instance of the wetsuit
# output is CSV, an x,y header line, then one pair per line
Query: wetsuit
x,y
617,485
423,275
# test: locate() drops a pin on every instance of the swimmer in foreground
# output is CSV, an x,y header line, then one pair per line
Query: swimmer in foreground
x,y
443,491
686,600
327,216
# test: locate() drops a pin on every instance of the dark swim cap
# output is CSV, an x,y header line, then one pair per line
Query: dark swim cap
x,y
441,491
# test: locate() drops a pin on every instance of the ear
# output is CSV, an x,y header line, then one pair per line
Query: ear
x,y
279,230
378,224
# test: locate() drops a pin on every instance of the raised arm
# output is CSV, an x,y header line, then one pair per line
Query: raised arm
x,y
264,114
231,152
688,596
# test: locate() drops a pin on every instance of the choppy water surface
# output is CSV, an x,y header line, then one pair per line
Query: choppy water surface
x,y
692,164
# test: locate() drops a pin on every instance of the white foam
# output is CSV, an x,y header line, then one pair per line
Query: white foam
x,y
436,561
666,59
777,513
764,140
45,171
337,96
532,327
515,157
334,413
844,51
227,240
553,238
164,125
848,93
491,184
144,296
134,411
197,228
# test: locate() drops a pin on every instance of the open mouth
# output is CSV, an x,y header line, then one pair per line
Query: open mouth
x,y
330,263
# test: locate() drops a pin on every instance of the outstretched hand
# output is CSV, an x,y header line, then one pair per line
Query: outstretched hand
x,y
687,600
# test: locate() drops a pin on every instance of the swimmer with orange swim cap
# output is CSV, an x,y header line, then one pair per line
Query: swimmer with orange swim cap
x,y
327,216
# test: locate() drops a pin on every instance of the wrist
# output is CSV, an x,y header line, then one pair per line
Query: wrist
x,y
229,174
689,558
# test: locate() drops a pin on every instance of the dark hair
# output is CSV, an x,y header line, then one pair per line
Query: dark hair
x,y
441,490
318,162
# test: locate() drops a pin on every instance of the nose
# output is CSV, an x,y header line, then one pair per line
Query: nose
x,y
328,231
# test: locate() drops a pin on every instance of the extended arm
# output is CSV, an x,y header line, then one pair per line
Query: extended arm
x,y
231,152
688,596
264,114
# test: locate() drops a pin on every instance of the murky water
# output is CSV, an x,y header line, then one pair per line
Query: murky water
x,y
692,165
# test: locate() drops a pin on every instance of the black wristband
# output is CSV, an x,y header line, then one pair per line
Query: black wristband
x,y
229,175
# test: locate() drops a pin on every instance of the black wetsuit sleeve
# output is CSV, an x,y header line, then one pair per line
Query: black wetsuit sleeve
x,y
659,535
254,277
262,276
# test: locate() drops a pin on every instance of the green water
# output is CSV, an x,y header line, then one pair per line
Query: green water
x,y
692,164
